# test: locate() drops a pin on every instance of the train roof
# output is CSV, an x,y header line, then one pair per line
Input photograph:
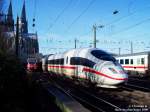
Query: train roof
x,y
134,54
47,55
87,48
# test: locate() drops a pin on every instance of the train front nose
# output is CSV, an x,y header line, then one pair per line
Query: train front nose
x,y
114,75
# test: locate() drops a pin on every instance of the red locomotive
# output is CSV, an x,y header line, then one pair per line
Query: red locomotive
x,y
32,64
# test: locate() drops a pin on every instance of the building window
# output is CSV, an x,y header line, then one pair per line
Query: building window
x,y
126,61
142,60
131,61
121,61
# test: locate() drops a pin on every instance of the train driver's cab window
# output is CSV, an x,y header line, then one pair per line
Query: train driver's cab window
x,y
131,61
126,61
121,61
117,60
142,60
102,55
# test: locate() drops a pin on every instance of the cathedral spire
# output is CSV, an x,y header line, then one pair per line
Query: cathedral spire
x,y
24,26
10,14
23,14
10,20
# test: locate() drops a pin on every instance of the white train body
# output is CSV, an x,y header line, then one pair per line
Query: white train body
x,y
45,63
88,63
135,63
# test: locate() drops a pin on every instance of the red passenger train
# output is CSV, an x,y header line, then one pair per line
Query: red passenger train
x,y
32,64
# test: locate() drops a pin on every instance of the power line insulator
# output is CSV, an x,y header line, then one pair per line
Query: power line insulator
x,y
33,19
33,25
115,12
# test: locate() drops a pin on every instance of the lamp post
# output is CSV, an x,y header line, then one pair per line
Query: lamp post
x,y
95,28
131,47
119,50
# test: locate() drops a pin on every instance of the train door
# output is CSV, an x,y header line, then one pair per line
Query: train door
x,y
148,64
78,62
66,63
80,73
75,63
67,68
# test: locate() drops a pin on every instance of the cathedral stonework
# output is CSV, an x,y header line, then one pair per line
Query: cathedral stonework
x,y
28,42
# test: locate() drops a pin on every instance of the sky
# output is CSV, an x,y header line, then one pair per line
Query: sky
x,y
59,22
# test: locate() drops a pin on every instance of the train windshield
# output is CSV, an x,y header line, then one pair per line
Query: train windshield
x,y
103,55
31,60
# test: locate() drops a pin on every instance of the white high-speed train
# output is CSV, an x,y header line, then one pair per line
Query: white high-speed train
x,y
92,64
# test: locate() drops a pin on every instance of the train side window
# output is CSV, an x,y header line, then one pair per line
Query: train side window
x,y
131,61
138,61
62,61
75,61
126,61
121,61
142,60
54,62
67,60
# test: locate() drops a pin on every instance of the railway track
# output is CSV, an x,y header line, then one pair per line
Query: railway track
x,y
136,87
139,79
90,101
96,104
137,84
122,98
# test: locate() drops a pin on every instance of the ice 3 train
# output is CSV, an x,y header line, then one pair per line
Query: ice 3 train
x,y
91,64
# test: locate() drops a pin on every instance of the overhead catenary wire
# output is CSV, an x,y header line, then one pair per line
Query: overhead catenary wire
x,y
34,13
130,4
60,14
126,16
123,17
79,16
124,29
35,7
132,26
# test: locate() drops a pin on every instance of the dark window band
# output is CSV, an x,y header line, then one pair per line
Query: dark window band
x,y
103,55
56,61
74,61
81,61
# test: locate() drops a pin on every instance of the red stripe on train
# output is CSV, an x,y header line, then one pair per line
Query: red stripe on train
x,y
99,73
69,67
89,70
135,67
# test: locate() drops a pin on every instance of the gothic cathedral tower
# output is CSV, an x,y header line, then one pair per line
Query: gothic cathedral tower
x,y
10,20
24,23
